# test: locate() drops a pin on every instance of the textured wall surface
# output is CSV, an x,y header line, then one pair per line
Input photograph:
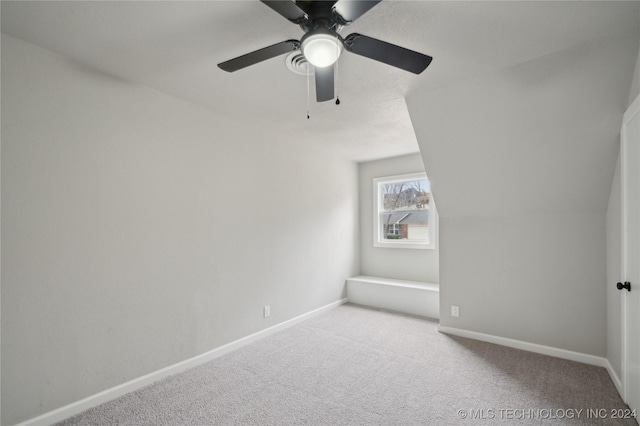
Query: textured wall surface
x,y
521,162
614,253
139,230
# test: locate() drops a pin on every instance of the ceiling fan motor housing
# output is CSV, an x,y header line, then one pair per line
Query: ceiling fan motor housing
x,y
320,14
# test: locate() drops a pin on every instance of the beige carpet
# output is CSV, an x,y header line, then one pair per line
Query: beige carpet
x,y
358,366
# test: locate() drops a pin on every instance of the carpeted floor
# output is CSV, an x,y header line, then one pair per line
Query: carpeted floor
x,y
357,366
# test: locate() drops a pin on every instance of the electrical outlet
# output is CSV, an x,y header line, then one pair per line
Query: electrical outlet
x,y
267,311
455,311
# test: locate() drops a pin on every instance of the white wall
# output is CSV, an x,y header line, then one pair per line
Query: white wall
x,y
614,253
403,264
635,83
139,230
521,162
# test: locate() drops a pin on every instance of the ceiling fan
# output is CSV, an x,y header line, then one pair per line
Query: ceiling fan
x,y
321,44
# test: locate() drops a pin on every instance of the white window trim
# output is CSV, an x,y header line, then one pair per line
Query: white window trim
x,y
378,240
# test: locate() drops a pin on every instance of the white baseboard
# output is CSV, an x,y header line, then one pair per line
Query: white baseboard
x,y
614,377
526,346
135,384
541,349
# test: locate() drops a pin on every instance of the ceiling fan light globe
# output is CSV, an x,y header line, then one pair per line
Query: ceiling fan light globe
x,y
321,50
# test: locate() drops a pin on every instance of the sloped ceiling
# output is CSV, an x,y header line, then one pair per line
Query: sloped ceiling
x,y
540,137
174,47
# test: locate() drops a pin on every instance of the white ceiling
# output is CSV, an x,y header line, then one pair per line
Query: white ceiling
x,y
174,47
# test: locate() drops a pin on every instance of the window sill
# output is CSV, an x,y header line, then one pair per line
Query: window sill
x,y
404,245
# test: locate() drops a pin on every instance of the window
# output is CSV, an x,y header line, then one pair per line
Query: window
x,y
393,230
404,212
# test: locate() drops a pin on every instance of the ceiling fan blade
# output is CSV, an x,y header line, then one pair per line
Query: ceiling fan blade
x,y
324,83
387,53
259,55
288,9
350,10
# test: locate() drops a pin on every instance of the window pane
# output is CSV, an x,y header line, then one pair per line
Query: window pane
x,y
404,210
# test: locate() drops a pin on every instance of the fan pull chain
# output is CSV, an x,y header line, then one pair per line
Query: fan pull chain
x,y
308,89
337,74
337,85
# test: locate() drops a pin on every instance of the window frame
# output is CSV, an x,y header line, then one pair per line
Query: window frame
x,y
378,227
